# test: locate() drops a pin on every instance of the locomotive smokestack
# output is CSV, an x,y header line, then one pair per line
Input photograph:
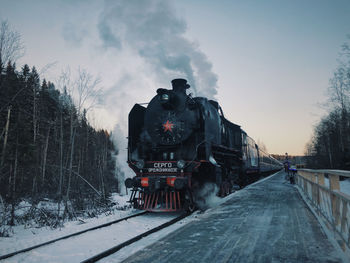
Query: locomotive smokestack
x,y
180,85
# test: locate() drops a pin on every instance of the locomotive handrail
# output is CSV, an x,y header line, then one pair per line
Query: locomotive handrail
x,y
194,157
328,199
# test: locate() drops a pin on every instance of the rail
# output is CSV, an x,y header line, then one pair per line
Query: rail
x,y
70,235
322,187
116,248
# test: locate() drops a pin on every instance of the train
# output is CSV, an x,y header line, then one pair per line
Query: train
x,y
178,144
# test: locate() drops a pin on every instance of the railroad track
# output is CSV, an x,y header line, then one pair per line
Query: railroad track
x,y
116,248
70,235
73,246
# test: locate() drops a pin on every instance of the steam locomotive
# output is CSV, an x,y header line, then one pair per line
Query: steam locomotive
x,y
180,143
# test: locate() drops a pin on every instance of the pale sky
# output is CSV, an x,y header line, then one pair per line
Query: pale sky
x,y
268,61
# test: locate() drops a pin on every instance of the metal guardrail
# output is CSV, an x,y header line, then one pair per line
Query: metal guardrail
x,y
329,201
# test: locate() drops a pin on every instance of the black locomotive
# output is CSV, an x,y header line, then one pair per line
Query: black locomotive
x,y
179,143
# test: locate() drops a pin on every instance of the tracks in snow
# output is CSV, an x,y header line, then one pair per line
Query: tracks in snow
x,y
114,249
98,242
70,235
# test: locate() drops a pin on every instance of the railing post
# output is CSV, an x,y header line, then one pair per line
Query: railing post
x,y
305,183
313,177
344,218
334,186
320,178
320,181
334,182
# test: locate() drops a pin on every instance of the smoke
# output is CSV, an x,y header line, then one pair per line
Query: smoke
x,y
73,34
207,197
154,32
123,171
119,133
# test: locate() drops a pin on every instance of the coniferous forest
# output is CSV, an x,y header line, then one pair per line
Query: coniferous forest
x,y
49,151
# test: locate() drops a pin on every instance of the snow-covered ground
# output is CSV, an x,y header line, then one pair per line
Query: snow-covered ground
x,y
69,250
144,242
84,246
23,236
289,245
214,202
93,243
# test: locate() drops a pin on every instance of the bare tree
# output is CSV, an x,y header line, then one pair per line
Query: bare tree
x,y
87,91
11,46
339,94
63,83
84,92
47,67
339,90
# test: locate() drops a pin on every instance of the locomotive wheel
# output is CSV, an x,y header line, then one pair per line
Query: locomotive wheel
x,y
189,205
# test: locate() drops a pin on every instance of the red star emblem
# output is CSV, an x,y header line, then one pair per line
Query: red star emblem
x,y
168,126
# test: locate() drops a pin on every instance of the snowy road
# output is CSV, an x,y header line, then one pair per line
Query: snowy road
x,y
265,222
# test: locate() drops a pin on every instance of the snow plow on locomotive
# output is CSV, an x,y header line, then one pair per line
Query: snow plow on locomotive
x,y
179,143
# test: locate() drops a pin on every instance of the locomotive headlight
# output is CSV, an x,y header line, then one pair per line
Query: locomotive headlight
x,y
180,164
129,183
165,97
140,164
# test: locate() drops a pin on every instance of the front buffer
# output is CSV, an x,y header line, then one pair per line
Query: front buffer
x,y
162,186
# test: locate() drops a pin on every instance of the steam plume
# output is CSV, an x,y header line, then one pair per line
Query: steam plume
x,y
146,39
206,197
155,32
